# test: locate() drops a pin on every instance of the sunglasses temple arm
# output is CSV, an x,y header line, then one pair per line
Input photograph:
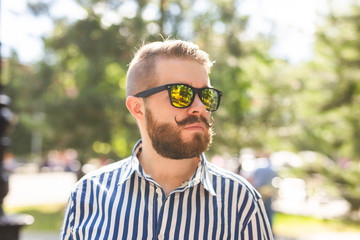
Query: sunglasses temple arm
x,y
151,91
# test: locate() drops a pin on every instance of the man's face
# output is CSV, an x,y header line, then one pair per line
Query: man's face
x,y
178,133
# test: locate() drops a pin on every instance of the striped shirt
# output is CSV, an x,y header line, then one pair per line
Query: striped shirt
x,y
120,201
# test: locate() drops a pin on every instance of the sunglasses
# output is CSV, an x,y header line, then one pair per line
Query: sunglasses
x,y
183,95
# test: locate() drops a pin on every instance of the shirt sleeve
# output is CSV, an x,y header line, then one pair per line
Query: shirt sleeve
x,y
68,222
258,227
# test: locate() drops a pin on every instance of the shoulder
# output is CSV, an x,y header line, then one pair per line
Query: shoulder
x,y
232,179
111,172
237,194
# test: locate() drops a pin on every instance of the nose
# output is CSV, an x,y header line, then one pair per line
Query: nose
x,y
197,106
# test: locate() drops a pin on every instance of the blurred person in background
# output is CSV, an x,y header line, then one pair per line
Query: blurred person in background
x,y
10,163
261,176
167,189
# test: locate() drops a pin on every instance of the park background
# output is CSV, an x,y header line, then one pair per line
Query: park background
x,y
290,74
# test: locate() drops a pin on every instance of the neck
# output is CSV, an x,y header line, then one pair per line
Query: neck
x,y
169,173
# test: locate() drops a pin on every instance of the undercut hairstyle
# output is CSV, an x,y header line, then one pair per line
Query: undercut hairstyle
x,y
141,74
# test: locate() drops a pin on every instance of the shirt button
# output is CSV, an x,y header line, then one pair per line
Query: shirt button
x,y
161,236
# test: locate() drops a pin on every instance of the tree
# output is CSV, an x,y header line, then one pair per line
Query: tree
x,y
336,69
82,76
330,115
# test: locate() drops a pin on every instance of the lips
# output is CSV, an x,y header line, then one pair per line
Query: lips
x,y
194,126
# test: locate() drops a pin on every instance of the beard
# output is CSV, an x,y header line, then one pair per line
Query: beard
x,y
167,142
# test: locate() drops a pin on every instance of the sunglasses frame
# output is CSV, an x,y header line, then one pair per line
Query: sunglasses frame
x,y
168,87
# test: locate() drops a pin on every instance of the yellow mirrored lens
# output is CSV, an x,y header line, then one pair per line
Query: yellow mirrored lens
x,y
181,96
210,98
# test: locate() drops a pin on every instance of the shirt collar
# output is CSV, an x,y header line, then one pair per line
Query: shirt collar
x,y
201,174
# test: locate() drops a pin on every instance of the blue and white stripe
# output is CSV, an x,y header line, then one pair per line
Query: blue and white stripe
x,y
120,201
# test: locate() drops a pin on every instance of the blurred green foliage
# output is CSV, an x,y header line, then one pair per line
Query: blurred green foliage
x,y
75,96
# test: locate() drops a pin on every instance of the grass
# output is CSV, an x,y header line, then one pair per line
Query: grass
x,y
49,218
295,226
46,218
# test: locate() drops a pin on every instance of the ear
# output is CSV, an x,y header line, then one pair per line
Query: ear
x,y
136,107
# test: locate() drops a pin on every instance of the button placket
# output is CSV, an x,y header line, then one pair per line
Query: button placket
x,y
160,232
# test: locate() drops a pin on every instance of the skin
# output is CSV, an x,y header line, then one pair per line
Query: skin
x,y
170,173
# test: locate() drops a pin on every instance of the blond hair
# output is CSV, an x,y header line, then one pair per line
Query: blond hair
x,y
141,72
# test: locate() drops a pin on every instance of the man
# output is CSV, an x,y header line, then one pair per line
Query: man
x,y
167,189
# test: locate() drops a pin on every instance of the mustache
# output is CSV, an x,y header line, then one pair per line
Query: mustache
x,y
195,119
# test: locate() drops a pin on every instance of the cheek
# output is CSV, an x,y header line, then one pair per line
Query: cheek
x,y
160,104
163,114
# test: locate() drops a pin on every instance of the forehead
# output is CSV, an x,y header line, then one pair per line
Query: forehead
x,y
175,70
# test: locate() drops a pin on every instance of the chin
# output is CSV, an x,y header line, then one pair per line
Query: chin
x,y
191,136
